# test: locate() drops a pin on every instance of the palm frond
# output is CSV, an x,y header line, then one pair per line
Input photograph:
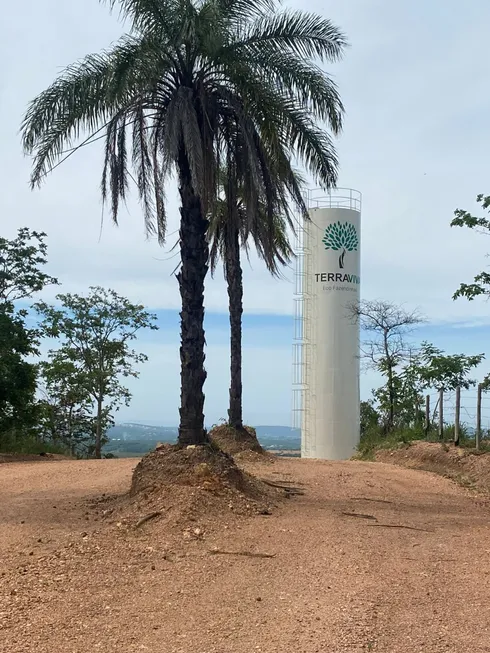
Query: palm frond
x,y
159,174
245,9
306,35
150,16
85,98
283,120
259,212
304,82
203,84
313,145
143,164
115,171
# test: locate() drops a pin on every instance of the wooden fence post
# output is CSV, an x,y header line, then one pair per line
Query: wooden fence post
x,y
427,415
478,417
441,414
457,413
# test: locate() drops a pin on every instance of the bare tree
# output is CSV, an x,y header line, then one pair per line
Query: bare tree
x,y
388,325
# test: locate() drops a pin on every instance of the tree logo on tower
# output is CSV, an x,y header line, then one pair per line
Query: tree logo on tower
x,y
341,236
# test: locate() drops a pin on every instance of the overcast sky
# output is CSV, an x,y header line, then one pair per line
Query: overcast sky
x,y
415,143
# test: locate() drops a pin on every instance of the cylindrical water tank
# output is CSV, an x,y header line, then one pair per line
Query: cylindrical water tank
x,y
331,410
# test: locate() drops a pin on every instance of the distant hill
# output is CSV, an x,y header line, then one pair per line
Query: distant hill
x,y
131,439
131,431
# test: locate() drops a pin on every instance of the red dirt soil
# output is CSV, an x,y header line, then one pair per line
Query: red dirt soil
x,y
465,466
371,557
235,441
30,457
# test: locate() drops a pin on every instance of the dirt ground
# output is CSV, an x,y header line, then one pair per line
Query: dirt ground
x,y
466,467
371,557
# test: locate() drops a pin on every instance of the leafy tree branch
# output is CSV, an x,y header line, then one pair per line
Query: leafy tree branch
x,y
95,332
481,282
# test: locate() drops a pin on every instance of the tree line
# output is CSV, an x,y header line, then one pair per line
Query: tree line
x,y
410,371
66,401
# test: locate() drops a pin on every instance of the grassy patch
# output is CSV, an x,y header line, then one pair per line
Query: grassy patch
x,y
374,440
28,445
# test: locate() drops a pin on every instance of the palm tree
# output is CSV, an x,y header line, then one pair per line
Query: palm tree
x,y
171,95
230,229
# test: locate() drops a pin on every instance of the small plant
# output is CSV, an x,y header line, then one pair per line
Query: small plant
x,y
375,439
27,444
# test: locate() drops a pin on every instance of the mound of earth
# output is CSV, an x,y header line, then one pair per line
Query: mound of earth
x,y
193,484
234,441
245,458
196,466
465,466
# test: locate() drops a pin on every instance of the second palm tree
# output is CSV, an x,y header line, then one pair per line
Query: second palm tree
x,y
233,226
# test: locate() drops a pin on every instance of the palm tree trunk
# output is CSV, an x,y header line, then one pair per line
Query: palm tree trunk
x,y
194,254
233,272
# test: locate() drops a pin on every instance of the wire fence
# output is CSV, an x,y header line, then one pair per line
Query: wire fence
x,y
467,411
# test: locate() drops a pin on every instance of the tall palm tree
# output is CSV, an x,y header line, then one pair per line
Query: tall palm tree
x,y
171,95
230,229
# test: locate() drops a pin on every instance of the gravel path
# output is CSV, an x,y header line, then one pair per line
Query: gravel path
x,y
371,558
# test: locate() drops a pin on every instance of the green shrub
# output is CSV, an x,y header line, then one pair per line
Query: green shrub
x,y
374,439
15,443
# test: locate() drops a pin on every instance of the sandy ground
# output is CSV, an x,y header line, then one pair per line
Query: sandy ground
x,y
371,558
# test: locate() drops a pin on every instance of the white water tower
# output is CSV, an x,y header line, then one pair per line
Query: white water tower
x,y
326,401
